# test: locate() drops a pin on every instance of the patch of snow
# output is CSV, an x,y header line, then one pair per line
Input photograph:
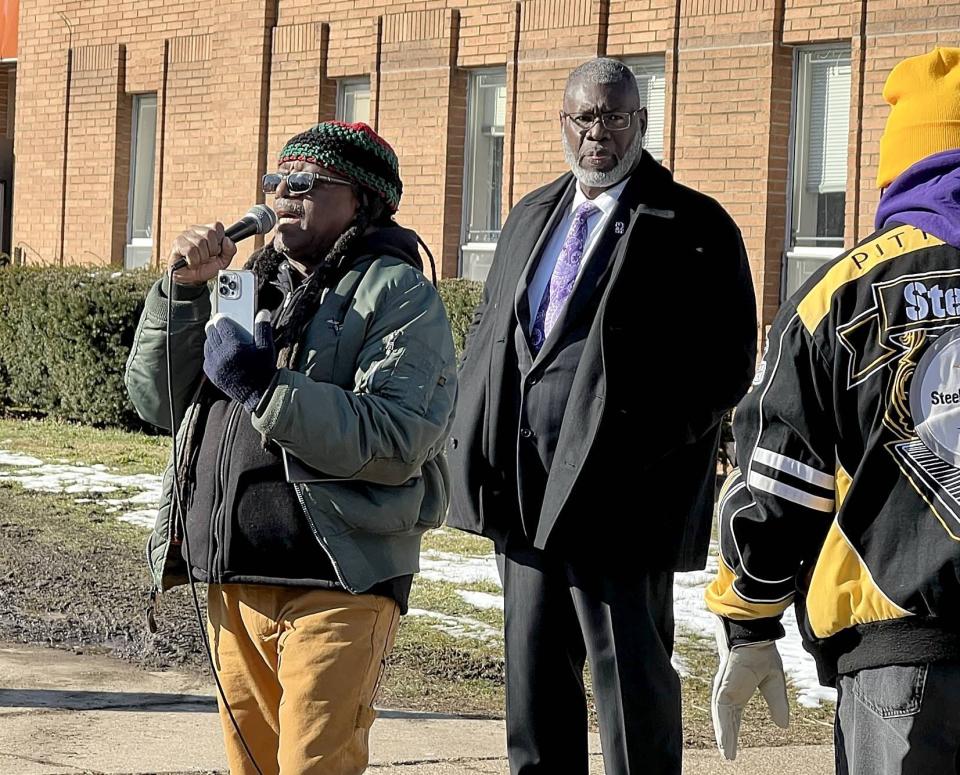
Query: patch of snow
x,y
143,518
692,616
690,611
77,479
800,668
458,569
679,665
459,626
16,459
482,600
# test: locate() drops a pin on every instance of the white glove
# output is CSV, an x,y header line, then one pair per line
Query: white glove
x,y
743,670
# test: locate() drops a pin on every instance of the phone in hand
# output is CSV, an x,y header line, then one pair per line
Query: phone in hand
x,y
236,297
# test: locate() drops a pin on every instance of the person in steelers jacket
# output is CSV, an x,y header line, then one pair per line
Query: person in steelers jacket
x,y
847,499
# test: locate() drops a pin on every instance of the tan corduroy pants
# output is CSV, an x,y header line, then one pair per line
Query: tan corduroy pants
x,y
300,669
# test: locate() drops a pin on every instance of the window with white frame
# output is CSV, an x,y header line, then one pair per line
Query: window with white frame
x,y
140,202
483,170
353,100
820,152
651,81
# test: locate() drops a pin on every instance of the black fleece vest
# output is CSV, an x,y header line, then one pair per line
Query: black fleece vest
x,y
244,521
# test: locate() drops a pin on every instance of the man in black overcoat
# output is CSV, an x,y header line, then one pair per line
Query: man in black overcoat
x,y
617,326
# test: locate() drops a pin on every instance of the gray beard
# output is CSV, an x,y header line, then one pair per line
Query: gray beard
x,y
596,178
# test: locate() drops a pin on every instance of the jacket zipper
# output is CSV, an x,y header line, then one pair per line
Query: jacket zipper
x,y
321,540
176,520
179,526
337,327
217,519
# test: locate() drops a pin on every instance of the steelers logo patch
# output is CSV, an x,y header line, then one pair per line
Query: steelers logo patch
x,y
935,398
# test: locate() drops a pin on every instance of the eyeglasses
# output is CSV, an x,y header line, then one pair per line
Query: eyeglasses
x,y
615,122
298,182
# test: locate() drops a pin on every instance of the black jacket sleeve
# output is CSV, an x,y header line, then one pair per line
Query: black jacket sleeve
x,y
775,510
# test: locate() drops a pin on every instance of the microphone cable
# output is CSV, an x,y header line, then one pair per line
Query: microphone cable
x,y
177,514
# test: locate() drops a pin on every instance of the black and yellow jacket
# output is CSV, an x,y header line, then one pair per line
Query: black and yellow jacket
x,y
847,499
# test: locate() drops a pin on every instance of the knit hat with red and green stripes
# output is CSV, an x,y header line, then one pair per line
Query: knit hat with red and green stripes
x,y
353,150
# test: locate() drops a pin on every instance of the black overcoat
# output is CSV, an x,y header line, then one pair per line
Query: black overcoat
x,y
671,348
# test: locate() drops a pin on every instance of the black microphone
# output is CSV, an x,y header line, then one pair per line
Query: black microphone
x,y
259,220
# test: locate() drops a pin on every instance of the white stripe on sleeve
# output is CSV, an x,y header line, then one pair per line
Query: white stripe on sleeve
x,y
785,491
793,467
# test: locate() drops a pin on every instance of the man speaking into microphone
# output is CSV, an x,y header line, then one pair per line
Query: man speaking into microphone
x,y
309,454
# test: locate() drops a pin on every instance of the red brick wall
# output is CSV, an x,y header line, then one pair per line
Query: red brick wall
x,y
39,134
12,97
486,33
192,167
725,144
508,194
353,46
775,207
7,102
236,78
893,32
555,37
95,146
641,28
7,98
816,21
213,114
298,83
422,113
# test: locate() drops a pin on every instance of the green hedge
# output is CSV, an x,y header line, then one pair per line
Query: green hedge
x,y
65,335
64,338
461,298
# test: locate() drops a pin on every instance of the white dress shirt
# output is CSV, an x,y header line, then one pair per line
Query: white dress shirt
x,y
607,203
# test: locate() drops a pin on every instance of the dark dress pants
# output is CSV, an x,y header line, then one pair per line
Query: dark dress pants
x,y
560,613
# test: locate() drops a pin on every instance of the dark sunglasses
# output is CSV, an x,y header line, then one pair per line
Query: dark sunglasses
x,y
298,182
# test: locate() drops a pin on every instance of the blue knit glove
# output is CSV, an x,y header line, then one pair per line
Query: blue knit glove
x,y
242,368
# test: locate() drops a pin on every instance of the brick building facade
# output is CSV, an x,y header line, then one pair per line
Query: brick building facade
x,y
135,118
9,12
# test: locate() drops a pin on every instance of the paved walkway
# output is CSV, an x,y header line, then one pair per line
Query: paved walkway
x,y
64,714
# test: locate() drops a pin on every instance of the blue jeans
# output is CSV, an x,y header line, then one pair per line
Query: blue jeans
x,y
899,720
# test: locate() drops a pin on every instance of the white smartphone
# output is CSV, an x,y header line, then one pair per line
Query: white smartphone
x,y
236,297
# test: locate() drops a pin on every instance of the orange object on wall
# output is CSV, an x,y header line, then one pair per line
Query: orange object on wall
x,y
9,16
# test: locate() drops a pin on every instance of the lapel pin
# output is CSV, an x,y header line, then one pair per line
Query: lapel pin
x,y
619,227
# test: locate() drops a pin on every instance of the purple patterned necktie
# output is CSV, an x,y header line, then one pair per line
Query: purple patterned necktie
x,y
564,276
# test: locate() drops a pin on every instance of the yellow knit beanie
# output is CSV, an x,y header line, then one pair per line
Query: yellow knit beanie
x,y
924,95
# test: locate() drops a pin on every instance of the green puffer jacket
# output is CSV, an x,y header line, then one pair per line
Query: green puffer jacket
x,y
369,403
